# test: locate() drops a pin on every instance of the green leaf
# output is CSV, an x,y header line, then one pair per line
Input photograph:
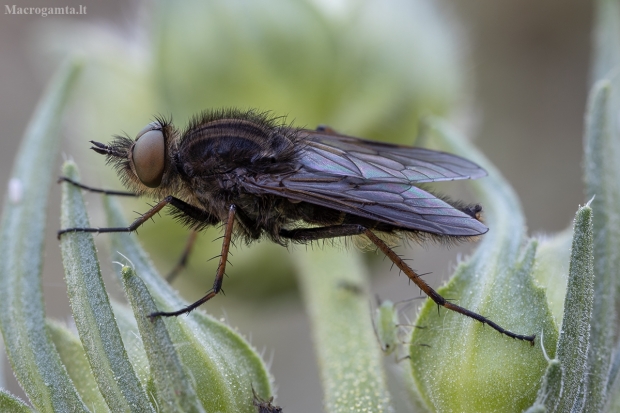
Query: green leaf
x,y
469,367
601,170
10,403
133,342
2,365
606,44
221,364
563,385
74,359
91,308
613,391
32,355
334,285
549,390
173,388
551,270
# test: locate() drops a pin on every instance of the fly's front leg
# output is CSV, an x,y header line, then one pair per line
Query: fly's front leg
x,y
219,274
91,189
187,209
134,225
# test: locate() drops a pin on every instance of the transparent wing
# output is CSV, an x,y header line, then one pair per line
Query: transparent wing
x,y
349,156
400,204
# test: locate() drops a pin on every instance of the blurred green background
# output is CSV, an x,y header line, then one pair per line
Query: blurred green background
x,y
511,75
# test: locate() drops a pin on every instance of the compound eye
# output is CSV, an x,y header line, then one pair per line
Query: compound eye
x,y
151,126
148,156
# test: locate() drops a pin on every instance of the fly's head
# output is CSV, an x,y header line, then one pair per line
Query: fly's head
x,y
144,165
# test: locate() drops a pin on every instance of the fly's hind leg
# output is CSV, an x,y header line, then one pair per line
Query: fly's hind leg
x,y
311,234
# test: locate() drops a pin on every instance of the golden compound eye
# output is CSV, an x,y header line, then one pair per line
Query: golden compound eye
x,y
148,156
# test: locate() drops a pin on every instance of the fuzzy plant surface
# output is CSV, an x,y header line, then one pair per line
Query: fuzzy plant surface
x,y
563,288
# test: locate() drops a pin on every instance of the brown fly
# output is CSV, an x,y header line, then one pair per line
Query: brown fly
x,y
261,178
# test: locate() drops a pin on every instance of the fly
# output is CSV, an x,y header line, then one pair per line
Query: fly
x,y
261,178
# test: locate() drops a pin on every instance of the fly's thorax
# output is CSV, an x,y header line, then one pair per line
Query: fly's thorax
x,y
220,142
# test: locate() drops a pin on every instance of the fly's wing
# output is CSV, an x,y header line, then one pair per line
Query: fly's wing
x,y
375,181
400,204
348,156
